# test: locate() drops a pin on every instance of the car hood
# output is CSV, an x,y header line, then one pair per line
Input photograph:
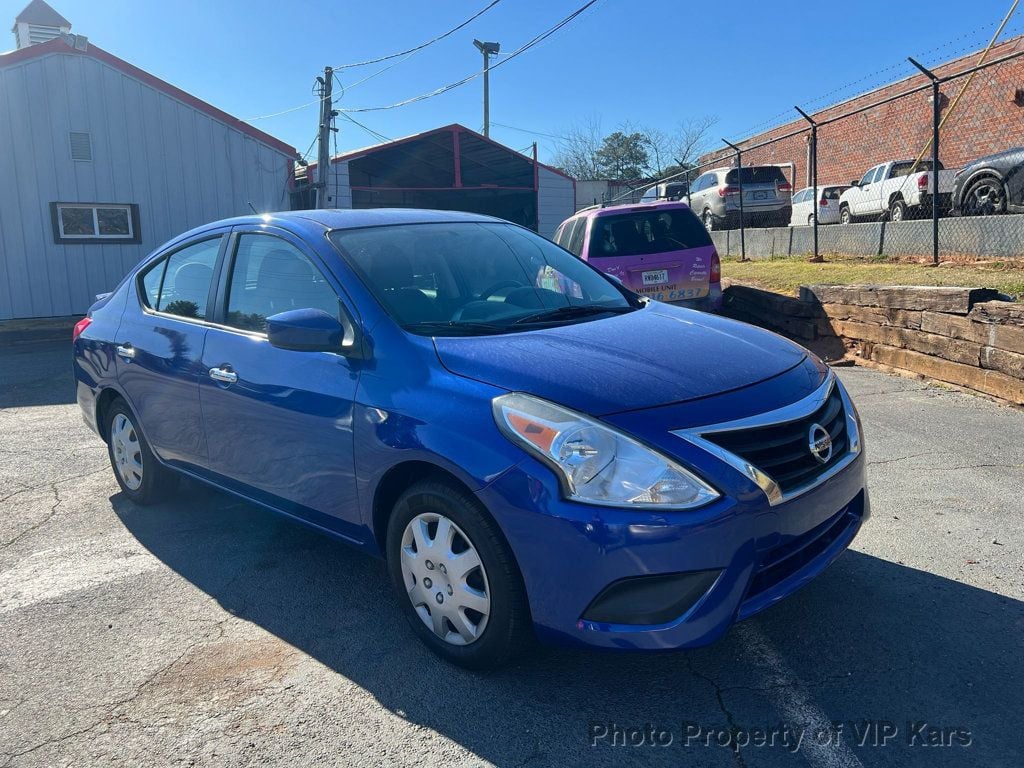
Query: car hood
x,y
653,356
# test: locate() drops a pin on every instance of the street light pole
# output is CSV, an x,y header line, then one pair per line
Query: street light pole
x,y
487,49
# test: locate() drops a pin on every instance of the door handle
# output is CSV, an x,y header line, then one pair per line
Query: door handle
x,y
125,351
224,375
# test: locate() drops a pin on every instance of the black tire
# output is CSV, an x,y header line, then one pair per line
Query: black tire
x,y
810,220
157,482
978,199
845,217
898,210
709,221
508,631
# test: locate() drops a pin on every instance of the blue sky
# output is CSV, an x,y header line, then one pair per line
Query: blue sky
x,y
655,62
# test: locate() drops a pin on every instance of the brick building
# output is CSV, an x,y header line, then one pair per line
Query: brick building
x,y
989,118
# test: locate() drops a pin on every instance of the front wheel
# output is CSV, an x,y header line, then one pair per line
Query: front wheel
x,y
985,197
141,477
456,577
844,215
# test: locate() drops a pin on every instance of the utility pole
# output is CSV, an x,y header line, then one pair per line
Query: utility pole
x,y
487,49
323,161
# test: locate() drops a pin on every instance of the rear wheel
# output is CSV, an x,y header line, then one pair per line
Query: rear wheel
x,y
456,577
810,220
897,210
709,221
141,477
985,197
844,215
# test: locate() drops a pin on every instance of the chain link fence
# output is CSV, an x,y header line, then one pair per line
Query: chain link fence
x,y
858,178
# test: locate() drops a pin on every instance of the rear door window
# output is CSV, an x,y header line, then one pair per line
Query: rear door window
x,y
180,284
647,232
575,240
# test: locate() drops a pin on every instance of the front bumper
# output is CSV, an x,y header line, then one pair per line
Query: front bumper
x,y
570,553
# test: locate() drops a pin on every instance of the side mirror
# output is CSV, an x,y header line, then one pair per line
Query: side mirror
x,y
313,330
855,182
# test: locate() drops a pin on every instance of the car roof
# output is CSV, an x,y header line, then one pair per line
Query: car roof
x,y
612,210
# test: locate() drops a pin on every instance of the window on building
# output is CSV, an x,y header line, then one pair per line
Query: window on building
x,y
95,222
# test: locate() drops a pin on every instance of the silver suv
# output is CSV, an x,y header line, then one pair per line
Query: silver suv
x,y
767,197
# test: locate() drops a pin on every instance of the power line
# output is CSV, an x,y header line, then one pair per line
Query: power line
x,y
450,86
420,47
532,133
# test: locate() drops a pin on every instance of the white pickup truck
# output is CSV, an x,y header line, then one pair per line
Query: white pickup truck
x,y
890,191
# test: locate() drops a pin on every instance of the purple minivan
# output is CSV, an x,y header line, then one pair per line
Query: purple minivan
x,y
660,250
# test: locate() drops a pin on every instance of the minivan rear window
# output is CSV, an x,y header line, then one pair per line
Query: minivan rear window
x,y
757,174
646,232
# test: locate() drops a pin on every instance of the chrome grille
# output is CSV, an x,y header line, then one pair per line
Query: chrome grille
x,y
782,451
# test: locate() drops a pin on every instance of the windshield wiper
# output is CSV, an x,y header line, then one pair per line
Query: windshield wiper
x,y
569,312
454,326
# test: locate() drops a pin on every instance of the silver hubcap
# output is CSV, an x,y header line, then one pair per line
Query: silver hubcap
x,y
897,213
445,579
127,451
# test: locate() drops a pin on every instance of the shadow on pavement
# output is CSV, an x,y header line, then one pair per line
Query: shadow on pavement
x,y
36,374
870,639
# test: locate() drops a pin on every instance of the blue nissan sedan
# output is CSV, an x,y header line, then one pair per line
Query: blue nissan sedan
x,y
536,451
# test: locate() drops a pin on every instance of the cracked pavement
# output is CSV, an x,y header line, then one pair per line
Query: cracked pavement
x,y
205,631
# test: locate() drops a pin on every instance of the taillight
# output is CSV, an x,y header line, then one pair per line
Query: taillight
x,y
716,268
823,202
723,191
80,326
785,187
922,182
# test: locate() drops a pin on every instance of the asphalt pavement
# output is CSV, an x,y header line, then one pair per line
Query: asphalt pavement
x,y
205,631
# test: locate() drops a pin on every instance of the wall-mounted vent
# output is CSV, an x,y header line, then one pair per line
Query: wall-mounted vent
x,y
81,145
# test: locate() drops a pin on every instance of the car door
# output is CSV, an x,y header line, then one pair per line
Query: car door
x,y
279,422
160,346
860,205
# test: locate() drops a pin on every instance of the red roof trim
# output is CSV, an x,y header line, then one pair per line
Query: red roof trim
x,y
443,129
58,46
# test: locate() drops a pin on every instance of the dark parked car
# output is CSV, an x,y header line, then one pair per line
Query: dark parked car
x,y
535,450
991,185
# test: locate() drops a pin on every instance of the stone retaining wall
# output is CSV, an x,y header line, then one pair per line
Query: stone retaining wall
x,y
964,336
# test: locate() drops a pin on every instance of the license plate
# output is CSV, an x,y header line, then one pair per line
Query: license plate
x,y
655,277
762,195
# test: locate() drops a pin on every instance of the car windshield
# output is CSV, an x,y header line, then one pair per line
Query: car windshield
x,y
646,232
757,174
469,278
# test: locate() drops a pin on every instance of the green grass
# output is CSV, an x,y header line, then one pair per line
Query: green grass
x,y
786,275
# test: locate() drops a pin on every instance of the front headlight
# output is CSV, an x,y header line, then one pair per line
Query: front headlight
x,y
597,465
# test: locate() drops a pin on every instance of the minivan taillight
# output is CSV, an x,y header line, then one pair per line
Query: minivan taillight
x,y
723,191
80,326
716,268
823,202
785,187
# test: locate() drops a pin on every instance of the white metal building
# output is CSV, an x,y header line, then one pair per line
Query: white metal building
x,y
101,162
456,169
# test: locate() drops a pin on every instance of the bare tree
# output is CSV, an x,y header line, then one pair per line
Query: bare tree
x,y
577,151
691,139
